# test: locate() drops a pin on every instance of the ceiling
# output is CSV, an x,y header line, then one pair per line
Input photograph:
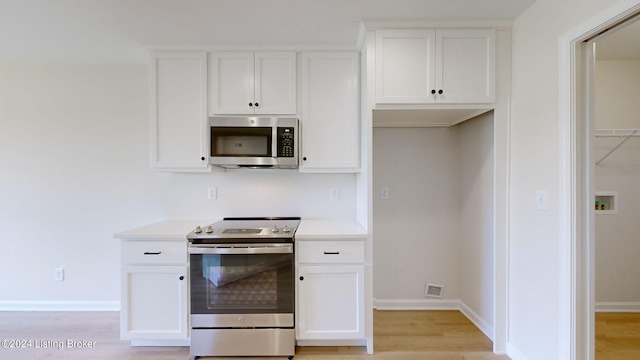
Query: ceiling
x,y
119,31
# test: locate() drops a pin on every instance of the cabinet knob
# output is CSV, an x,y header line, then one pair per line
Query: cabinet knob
x,y
433,91
181,277
202,158
257,104
304,158
250,104
301,278
440,91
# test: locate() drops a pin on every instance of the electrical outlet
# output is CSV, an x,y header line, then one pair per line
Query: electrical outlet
x,y
541,200
59,274
212,193
334,193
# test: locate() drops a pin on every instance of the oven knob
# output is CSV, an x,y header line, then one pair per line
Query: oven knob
x,y
197,230
274,229
286,229
209,229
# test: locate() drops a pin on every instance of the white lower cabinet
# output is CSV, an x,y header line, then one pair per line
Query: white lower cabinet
x,y
330,303
154,291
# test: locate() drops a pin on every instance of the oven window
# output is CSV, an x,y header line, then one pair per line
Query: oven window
x,y
241,141
251,283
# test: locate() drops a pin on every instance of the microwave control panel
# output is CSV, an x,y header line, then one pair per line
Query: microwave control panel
x,y
286,142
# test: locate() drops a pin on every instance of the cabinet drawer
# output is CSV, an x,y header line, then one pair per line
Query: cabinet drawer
x,y
154,252
330,252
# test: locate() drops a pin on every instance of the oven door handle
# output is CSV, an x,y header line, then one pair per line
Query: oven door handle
x,y
251,249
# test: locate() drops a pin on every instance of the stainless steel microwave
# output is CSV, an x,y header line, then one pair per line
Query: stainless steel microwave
x,y
254,142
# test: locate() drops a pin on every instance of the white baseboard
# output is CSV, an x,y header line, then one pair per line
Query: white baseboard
x,y
417,304
59,306
186,342
362,342
436,304
514,354
479,322
618,307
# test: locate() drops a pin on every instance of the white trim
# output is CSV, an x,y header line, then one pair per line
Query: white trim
x,y
437,24
514,354
186,342
253,47
356,342
417,304
59,306
479,322
576,330
631,307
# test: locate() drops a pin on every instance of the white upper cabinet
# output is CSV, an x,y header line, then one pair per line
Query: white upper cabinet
x,y
178,85
252,83
330,114
454,66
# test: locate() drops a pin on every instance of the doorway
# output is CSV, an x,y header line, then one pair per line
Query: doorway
x,y
577,178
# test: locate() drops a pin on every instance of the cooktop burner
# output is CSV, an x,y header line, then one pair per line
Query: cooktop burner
x,y
246,229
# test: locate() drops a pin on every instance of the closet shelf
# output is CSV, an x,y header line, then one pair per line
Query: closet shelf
x,y
623,134
619,133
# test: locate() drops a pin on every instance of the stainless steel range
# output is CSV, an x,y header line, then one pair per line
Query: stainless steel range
x,y
242,287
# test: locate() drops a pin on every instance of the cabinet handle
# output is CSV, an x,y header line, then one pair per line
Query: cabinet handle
x,y
440,91
152,253
250,104
433,91
301,278
332,252
181,277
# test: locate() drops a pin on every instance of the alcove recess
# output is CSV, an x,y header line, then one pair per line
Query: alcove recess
x,y
606,202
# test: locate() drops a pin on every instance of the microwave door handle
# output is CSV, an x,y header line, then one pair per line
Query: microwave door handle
x,y
274,141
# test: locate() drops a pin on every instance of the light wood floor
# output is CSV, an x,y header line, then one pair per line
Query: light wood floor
x,y
398,335
617,336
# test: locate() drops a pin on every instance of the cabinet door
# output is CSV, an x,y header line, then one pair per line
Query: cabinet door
x,y
330,302
465,65
405,66
330,118
275,83
178,84
231,84
154,303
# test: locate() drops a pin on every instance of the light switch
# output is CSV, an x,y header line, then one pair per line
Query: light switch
x,y
541,200
334,193
213,193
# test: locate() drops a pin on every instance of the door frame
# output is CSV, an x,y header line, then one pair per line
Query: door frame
x,y
577,296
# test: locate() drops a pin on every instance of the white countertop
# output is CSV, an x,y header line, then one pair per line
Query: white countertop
x,y
329,229
163,230
176,229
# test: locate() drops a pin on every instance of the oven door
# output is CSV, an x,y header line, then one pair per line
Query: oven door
x,y
242,285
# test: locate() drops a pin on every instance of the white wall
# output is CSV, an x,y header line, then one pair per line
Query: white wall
x,y
476,196
438,224
416,232
74,170
617,244
534,243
